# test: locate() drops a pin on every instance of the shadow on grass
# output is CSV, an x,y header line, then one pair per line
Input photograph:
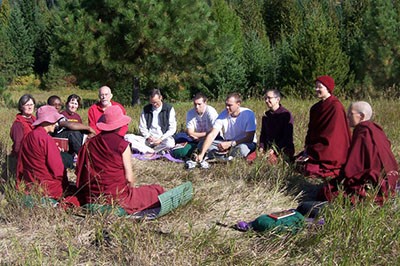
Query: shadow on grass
x,y
308,188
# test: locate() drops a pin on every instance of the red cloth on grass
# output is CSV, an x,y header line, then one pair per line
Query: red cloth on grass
x,y
100,171
40,164
96,111
370,162
328,137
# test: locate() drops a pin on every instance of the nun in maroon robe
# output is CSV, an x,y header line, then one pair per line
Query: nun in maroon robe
x,y
371,166
328,136
104,168
40,167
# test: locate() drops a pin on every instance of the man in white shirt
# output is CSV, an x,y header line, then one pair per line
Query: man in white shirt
x,y
157,126
238,125
200,119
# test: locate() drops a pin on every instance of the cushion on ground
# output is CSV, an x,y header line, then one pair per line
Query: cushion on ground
x,y
291,223
169,201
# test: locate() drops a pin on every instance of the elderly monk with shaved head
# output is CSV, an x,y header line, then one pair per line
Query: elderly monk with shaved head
x,y
370,169
97,110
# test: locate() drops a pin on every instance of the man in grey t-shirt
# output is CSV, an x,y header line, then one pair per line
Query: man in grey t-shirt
x,y
200,119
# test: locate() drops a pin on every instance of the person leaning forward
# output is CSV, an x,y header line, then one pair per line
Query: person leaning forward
x,y
40,167
104,168
238,125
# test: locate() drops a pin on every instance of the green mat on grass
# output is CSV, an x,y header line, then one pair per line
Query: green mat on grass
x,y
105,209
175,197
169,201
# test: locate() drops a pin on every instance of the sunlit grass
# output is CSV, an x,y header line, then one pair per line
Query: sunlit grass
x,y
226,193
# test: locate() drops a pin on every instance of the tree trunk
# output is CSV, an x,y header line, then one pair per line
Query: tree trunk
x,y
135,91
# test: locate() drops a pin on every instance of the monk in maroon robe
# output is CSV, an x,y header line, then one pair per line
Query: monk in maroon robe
x,y
40,167
104,168
328,136
371,166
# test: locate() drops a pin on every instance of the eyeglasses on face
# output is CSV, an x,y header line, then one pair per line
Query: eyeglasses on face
x,y
269,98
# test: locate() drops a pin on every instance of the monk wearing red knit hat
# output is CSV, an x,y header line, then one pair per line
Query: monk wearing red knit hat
x,y
328,136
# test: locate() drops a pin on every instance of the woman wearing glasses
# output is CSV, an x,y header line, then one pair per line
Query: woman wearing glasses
x,y
21,126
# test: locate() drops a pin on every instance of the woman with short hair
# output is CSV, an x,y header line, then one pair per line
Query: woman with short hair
x,y
71,107
22,124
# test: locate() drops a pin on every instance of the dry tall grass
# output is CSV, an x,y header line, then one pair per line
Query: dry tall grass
x,y
226,193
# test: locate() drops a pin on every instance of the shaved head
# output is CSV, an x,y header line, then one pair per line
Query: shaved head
x,y
363,108
104,89
105,96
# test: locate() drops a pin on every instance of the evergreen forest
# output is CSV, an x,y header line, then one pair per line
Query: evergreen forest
x,y
213,46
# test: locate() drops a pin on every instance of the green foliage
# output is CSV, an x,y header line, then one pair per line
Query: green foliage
x,y
314,51
54,77
6,57
257,52
229,75
4,12
229,71
164,44
42,45
280,19
22,42
184,46
23,27
380,44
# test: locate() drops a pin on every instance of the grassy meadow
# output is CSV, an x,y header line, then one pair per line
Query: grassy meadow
x,y
225,193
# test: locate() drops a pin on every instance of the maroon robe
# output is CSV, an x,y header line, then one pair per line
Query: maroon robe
x,y
19,129
370,164
100,172
328,138
40,164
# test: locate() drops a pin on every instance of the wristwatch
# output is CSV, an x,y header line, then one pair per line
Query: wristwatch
x,y
233,143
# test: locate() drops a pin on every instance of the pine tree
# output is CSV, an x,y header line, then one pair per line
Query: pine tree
x,y
6,56
36,19
22,43
42,44
351,14
281,19
381,44
163,43
314,51
4,12
257,53
229,71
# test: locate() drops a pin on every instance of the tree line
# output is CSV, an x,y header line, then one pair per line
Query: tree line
x,y
213,46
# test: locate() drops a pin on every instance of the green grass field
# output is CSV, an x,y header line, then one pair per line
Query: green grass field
x,y
226,193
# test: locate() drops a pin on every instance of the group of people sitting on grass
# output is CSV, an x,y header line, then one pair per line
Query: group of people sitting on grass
x,y
358,165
